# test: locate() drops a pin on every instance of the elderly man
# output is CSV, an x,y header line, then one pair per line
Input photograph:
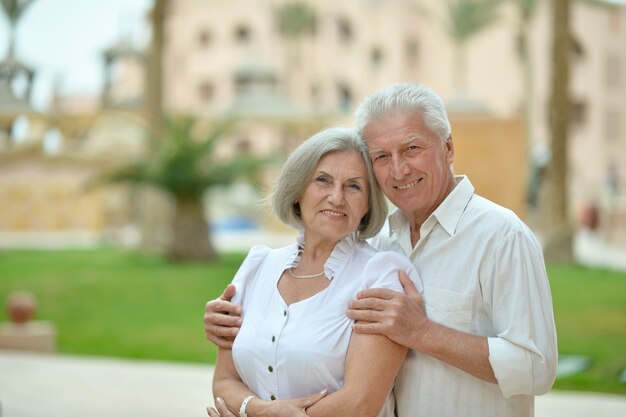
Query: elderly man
x,y
481,337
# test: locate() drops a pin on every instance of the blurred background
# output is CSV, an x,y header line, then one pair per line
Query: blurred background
x,y
138,138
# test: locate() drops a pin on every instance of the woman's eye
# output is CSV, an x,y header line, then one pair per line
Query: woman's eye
x,y
355,186
321,179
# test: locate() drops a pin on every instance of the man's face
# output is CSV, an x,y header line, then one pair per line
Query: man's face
x,y
411,164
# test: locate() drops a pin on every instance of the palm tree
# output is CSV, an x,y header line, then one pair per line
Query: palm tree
x,y
14,9
554,195
185,167
154,69
526,10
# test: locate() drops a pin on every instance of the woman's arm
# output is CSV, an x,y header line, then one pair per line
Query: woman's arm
x,y
228,386
226,382
372,363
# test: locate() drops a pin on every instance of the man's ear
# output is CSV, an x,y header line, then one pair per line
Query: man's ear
x,y
449,148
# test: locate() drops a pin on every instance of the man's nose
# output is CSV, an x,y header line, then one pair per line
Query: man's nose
x,y
399,167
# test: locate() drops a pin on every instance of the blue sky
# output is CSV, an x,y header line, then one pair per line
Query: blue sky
x,y
64,39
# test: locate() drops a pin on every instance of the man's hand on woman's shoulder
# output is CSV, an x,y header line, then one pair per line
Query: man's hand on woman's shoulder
x,y
222,319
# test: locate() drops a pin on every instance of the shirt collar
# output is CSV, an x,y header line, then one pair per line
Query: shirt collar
x,y
449,211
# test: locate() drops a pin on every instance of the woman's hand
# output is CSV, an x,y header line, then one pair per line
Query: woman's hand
x,y
222,410
294,407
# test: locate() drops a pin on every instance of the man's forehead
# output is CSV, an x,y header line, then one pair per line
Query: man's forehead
x,y
411,137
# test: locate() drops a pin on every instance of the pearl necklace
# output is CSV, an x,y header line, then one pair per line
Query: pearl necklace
x,y
304,276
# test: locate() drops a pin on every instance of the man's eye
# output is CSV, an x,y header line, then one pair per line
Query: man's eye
x,y
321,179
380,157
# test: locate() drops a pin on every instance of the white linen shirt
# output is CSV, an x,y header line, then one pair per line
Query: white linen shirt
x,y
483,273
286,351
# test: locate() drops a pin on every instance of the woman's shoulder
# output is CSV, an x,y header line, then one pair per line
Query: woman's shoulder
x,y
263,251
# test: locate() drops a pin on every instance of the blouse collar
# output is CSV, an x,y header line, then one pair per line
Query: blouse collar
x,y
335,261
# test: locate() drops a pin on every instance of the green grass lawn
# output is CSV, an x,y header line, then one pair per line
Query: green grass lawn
x,y
112,303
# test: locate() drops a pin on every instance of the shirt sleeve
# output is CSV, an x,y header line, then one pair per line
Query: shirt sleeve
x,y
245,276
523,354
381,271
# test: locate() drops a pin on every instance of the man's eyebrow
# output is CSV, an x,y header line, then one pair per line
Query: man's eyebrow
x,y
375,150
410,139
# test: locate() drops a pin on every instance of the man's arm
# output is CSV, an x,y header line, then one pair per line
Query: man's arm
x,y
402,318
222,319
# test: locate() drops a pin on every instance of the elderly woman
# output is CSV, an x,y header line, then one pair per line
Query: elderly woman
x,y
296,344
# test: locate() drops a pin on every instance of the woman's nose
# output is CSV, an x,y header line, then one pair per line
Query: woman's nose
x,y
336,195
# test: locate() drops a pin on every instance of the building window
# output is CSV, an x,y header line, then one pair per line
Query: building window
x,y
204,38
243,34
377,56
345,98
206,90
344,29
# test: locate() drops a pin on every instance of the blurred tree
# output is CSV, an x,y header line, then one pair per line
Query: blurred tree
x,y
295,21
14,9
464,20
185,167
554,195
149,219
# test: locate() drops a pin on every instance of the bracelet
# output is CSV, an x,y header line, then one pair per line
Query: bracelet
x,y
244,405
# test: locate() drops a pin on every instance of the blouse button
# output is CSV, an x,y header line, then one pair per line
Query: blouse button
x,y
273,338
272,398
269,368
285,313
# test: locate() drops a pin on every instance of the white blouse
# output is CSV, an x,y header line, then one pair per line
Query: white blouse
x,y
286,351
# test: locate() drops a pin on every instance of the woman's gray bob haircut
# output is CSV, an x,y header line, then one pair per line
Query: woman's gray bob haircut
x,y
405,97
300,166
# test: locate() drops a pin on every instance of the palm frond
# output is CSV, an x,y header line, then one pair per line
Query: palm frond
x,y
184,165
14,9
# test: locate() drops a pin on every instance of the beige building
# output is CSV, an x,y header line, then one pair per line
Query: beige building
x,y
223,58
354,47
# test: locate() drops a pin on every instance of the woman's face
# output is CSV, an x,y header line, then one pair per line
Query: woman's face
x,y
336,199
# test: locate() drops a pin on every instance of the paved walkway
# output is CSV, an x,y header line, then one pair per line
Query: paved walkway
x,y
34,385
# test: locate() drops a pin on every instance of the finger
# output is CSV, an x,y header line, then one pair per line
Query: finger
x,y
221,342
221,319
364,315
407,284
368,328
222,409
228,293
221,331
212,412
222,306
368,304
382,293
307,402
